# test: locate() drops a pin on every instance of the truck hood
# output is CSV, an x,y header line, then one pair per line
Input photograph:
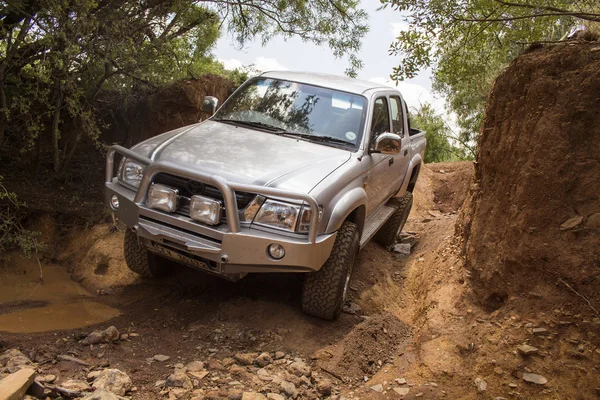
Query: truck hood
x,y
247,156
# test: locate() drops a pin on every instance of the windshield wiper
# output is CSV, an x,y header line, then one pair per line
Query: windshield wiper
x,y
254,124
318,138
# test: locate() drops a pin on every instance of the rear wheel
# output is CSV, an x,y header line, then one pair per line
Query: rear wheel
x,y
140,260
325,290
388,233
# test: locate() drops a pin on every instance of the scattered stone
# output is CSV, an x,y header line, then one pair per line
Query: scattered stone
x,y
534,378
46,378
288,388
234,394
236,370
198,374
113,380
279,355
244,358
352,308
402,391
75,360
93,375
177,393
571,223
179,379
76,385
216,365
527,350
299,368
377,388
275,396
481,385
14,386
539,331
264,375
498,370
179,365
500,398
512,385
400,381
13,360
263,360
93,338
110,334
402,249
593,221
161,358
195,366
324,387
253,396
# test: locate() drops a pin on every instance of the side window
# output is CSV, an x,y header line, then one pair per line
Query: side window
x,y
397,122
381,117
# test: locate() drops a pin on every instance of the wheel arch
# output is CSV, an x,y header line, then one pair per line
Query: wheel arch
x,y
351,207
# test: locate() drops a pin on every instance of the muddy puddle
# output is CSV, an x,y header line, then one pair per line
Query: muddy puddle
x,y
55,303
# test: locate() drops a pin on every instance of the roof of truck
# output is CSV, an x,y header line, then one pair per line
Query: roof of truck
x,y
336,82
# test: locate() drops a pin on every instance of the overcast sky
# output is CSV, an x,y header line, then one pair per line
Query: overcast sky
x,y
298,56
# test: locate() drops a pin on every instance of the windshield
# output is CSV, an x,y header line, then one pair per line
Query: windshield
x,y
296,108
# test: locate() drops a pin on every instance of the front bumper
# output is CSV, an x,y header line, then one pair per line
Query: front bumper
x,y
227,250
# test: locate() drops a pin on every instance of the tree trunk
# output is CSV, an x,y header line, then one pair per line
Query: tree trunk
x,y
3,110
55,132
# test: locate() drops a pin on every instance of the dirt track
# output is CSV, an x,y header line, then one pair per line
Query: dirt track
x,y
190,315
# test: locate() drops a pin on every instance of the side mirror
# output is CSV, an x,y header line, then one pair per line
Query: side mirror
x,y
209,104
388,143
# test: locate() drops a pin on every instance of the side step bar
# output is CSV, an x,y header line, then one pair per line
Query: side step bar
x,y
375,222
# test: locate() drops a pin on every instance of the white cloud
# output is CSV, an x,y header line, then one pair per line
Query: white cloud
x,y
231,64
268,64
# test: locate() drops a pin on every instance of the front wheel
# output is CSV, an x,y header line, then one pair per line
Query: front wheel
x,y
140,260
325,290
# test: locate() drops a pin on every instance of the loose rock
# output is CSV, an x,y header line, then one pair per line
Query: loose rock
x,y
402,249
195,366
263,360
179,379
76,385
289,388
377,388
527,350
402,391
14,386
534,378
102,394
253,396
113,380
244,358
161,358
299,368
481,385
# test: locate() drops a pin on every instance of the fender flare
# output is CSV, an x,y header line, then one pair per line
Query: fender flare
x,y
415,162
348,203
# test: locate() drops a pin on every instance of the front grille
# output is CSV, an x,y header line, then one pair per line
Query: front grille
x,y
188,188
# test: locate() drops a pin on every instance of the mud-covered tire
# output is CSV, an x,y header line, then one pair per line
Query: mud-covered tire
x,y
388,233
140,260
325,290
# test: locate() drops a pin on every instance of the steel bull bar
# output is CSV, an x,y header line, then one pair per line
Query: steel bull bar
x,y
227,188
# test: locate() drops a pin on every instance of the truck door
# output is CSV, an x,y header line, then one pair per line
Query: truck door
x,y
399,167
378,165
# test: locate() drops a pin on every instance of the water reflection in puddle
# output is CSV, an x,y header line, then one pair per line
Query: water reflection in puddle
x,y
26,305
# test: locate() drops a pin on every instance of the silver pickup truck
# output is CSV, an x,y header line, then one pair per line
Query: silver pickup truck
x,y
295,172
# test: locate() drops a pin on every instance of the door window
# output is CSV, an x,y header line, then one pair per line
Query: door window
x,y
397,122
381,118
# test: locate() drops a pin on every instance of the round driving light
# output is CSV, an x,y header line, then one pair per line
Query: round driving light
x,y
114,202
276,251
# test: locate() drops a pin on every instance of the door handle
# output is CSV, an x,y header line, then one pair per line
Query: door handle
x,y
391,161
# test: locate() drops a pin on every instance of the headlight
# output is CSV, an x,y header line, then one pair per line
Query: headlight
x,y
205,210
278,215
131,172
304,223
162,197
